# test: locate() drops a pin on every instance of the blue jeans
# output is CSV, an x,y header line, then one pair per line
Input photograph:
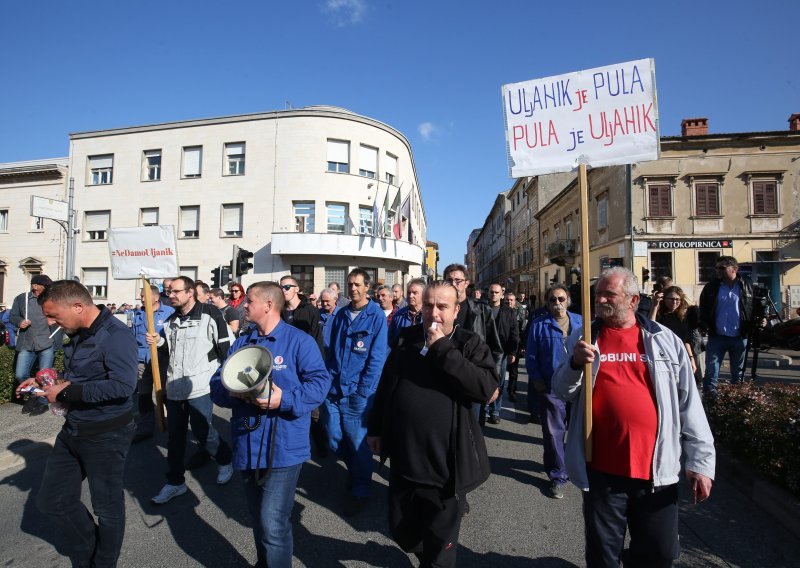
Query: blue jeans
x,y
346,425
554,418
502,370
99,458
25,360
270,507
715,352
199,412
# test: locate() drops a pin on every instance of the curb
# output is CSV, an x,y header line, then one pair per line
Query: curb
x,y
25,453
777,502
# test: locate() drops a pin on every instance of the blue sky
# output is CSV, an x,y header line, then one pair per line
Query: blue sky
x,y
432,69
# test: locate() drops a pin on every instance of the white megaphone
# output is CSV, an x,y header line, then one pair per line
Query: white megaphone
x,y
248,370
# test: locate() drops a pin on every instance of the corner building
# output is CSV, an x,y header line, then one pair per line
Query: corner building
x,y
312,192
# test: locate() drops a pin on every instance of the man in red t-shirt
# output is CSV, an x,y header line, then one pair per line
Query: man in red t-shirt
x,y
646,413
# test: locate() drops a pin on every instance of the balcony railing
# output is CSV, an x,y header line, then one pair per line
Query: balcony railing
x,y
563,251
346,245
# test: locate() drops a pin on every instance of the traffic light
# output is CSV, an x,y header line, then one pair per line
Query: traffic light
x,y
243,264
215,277
645,275
224,276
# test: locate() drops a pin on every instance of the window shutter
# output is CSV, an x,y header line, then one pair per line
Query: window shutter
x,y
106,161
149,216
232,218
97,220
95,276
391,165
369,159
235,149
189,218
712,199
338,151
192,158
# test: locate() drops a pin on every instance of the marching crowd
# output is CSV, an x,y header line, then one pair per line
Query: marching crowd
x,y
409,375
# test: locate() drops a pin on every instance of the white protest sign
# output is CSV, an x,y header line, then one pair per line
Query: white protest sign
x,y
148,251
598,117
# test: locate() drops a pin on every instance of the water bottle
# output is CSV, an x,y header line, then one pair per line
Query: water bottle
x,y
48,377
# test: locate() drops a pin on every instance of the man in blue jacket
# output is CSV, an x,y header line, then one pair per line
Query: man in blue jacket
x,y
410,314
99,379
355,360
546,350
271,435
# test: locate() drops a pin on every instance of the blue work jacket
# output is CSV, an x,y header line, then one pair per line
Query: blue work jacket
x,y
139,329
326,321
358,351
546,347
298,370
403,318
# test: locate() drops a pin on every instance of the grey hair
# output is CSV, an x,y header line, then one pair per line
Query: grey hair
x,y
630,284
328,291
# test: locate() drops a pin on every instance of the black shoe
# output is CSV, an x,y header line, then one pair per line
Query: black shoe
x,y
30,404
534,419
465,510
38,409
355,506
494,420
512,397
198,460
555,491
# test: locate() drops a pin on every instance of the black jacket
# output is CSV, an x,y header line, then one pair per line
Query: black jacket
x,y
466,366
306,318
478,319
708,305
508,330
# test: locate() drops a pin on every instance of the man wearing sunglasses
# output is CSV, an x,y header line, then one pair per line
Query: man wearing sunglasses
x,y
299,312
545,352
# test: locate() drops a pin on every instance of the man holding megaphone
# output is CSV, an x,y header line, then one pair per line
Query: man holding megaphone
x,y
273,378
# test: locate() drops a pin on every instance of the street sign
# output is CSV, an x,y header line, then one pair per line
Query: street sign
x,y
148,251
49,208
598,117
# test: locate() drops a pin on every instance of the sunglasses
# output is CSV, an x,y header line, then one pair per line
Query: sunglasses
x,y
288,287
558,299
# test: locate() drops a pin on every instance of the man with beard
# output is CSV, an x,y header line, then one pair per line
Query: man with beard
x,y
422,422
646,413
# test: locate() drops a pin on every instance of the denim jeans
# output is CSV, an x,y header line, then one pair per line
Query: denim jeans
x,y
495,407
197,411
554,418
715,352
270,507
99,458
346,425
25,360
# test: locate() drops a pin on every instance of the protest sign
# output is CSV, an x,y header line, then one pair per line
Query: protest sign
x,y
148,251
597,117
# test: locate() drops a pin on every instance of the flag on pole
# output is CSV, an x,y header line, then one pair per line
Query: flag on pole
x,y
402,225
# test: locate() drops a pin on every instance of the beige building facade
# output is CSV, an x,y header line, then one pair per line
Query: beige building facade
x,y
312,192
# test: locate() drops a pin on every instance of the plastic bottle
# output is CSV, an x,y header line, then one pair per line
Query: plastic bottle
x,y
48,377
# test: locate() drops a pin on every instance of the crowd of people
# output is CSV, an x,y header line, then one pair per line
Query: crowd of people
x,y
410,375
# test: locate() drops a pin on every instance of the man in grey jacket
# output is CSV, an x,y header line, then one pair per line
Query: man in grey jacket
x,y
646,412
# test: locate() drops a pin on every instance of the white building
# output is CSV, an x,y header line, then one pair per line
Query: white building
x,y
301,188
29,245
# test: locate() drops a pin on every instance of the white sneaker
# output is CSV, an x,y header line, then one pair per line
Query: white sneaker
x,y
224,474
168,492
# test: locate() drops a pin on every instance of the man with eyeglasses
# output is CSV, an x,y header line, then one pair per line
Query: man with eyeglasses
x,y
196,339
299,312
726,313
546,350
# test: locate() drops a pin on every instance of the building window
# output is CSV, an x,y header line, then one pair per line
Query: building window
x,y
660,265
188,271
568,227
545,240
304,216
234,158
232,220
96,281
337,217
706,199
151,165
192,161
602,212
148,216
557,232
304,274
391,278
368,161
339,156
37,224
390,171
190,222
95,225
373,277
706,261
364,221
336,274
659,200
3,220
765,197
101,169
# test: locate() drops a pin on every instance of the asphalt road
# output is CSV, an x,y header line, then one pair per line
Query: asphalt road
x,y
512,523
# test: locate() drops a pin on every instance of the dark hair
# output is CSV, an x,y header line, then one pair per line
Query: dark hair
x,y
203,286
453,268
218,293
360,272
65,292
728,261
270,290
188,283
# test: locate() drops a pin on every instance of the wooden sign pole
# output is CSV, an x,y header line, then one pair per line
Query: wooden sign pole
x,y
586,309
154,368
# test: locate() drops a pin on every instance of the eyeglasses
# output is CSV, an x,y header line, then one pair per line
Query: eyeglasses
x,y
558,299
174,291
455,281
288,287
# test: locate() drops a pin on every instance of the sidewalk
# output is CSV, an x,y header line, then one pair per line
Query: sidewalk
x,y
24,437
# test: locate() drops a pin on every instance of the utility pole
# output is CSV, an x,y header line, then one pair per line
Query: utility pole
x,y
69,269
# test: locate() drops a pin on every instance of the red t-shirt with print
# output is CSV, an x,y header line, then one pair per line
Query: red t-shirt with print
x,y
624,416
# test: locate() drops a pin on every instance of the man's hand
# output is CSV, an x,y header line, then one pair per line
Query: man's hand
x,y
583,353
152,338
434,333
51,391
374,443
512,359
700,484
494,396
271,403
25,324
25,384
